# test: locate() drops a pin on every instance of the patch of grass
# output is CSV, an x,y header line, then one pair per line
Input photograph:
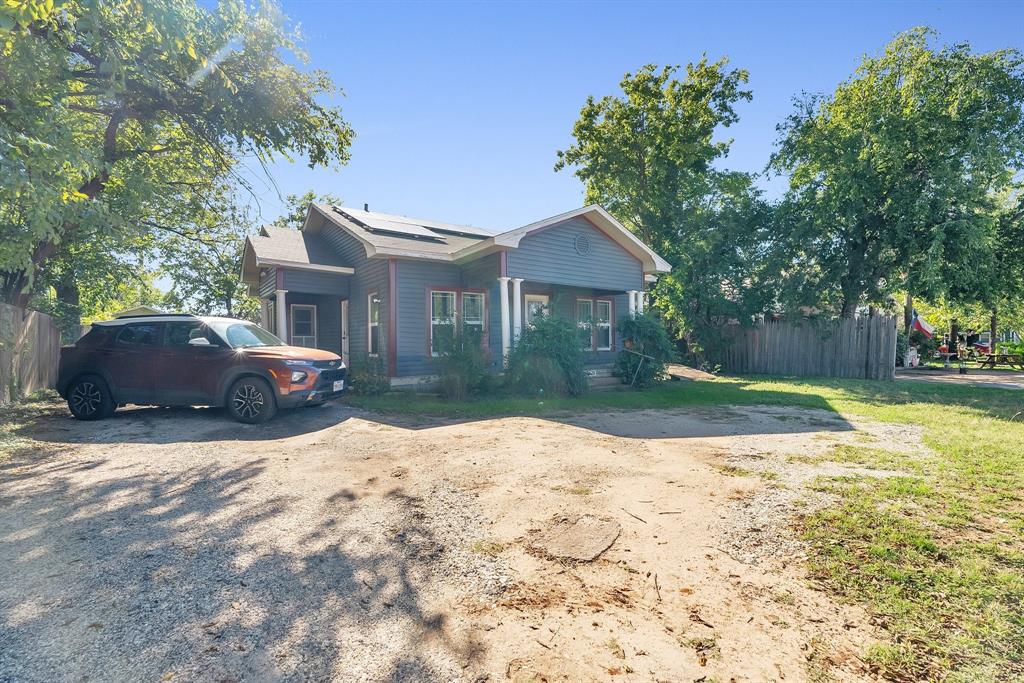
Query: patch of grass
x,y
17,418
575,489
734,471
487,547
784,597
936,556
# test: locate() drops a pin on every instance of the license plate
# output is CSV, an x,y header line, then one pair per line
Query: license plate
x,y
339,384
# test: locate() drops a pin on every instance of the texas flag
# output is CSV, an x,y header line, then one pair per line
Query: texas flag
x,y
922,326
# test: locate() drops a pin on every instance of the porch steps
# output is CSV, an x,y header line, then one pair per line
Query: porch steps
x,y
600,378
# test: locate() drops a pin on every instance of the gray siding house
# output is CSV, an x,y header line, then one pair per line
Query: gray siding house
x,y
358,282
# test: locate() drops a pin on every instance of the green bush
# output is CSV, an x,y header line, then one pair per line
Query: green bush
x,y
643,333
547,359
461,363
367,375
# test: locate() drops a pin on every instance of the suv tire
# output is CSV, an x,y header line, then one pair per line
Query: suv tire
x,y
251,400
89,398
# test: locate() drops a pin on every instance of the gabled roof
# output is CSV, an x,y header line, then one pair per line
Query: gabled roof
x,y
289,248
593,214
390,235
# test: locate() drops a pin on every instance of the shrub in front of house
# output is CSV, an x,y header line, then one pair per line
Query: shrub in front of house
x,y
367,375
461,362
644,334
547,359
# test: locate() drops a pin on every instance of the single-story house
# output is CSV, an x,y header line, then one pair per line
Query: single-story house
x,y
359,282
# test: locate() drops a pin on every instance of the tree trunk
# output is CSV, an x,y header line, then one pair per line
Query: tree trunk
x,y
14,288
992,328
954,335
849,306
908,314
70,299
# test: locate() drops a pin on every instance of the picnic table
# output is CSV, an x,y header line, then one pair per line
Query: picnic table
x,y
991,360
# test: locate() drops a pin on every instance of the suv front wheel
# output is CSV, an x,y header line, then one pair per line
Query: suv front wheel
x,y
251,400
89,398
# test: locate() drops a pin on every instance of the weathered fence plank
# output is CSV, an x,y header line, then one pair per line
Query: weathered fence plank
x,y
859,347
29,352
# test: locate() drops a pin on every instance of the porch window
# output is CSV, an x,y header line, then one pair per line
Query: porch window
x,y
603,325
373,324
442,320
272,316
473,312
304,325
585,322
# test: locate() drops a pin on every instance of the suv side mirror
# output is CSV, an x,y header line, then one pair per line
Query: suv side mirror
x,y
199,341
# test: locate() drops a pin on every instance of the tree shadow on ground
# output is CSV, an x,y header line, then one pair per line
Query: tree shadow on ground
x,y
755,412
188,573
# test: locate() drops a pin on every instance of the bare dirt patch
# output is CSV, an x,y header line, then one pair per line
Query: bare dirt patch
x,y
338,545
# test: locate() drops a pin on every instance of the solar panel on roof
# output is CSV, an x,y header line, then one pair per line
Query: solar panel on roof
x,y
401,228
371,218
376,225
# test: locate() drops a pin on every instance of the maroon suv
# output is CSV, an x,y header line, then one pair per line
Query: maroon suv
x,y
179,359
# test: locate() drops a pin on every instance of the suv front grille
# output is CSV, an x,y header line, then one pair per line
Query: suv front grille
x,y
329,376
327,364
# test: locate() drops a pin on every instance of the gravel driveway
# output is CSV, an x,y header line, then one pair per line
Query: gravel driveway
x,y
175,545
178,545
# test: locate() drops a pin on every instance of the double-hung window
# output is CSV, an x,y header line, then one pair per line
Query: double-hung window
x,y
594,322
603,325
473,314
303,325
373,324
585,322
442,321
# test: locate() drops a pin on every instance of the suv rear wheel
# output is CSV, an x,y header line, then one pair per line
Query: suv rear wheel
x,y
251,400
89,398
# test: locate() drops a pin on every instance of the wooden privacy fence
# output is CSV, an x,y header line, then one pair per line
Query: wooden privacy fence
x,y
29,352
863,347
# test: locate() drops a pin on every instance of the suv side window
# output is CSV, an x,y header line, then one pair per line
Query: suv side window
x,y
178,334
138,334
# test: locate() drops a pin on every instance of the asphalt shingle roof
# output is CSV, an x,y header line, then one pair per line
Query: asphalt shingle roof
x,y
296,246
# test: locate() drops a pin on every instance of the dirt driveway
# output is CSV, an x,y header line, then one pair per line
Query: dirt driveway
x,y
332,544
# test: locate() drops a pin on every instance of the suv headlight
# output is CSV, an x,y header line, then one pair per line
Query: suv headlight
x,y
299,363
298,376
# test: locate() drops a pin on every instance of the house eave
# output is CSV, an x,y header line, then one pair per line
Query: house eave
x,y
299,265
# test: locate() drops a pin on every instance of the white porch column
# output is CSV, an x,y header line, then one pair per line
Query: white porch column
x,y
280,308
517,309
505,337
640,302
631,299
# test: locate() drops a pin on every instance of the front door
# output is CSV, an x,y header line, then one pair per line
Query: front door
x,y
344,331
536,304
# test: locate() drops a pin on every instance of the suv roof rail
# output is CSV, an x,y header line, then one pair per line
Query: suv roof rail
x,y
156,315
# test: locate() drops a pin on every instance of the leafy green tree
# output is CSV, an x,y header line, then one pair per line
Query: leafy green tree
x,y
203,258
894,177
113,111
297,205
651,157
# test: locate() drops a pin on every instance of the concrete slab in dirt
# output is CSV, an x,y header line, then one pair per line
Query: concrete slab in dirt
x,y
582,538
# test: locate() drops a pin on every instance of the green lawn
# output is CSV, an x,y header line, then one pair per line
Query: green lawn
x,y
936,556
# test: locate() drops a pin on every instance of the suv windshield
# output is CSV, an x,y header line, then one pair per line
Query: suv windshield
x,y
241,335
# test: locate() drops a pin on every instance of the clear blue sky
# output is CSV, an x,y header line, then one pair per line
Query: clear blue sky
x,y
459,108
